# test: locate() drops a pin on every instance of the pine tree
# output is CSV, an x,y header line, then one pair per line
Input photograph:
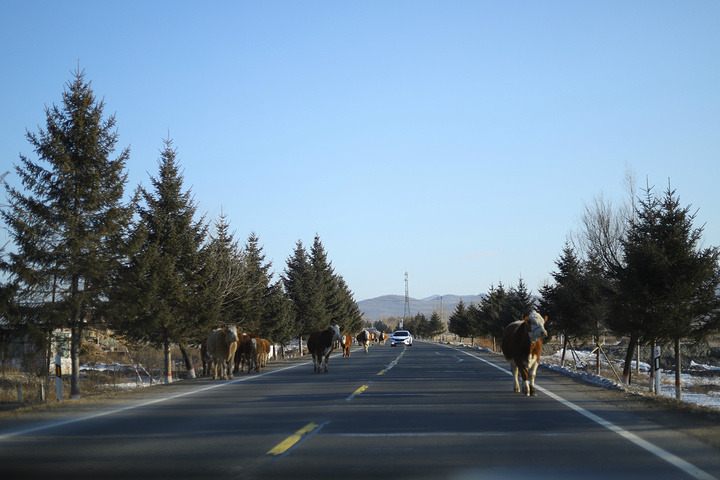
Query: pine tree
x,y
459,321
494,314
436,326
298,282
676,282
324,280
170,287
565,302
69,225
348,314
520,301
668,287
229,273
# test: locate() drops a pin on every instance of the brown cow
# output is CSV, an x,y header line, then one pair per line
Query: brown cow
x,y
382,337
522,346
262,350
221,347
321,344
363,339
346,341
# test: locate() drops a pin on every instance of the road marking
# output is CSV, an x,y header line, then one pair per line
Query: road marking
x,y
683,465
103,413
392,364
357,392
290,441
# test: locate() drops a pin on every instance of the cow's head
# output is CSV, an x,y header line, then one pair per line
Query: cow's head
x,y
335,329
535,325
230,332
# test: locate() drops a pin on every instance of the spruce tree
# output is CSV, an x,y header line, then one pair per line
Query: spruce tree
x,y
298,282
436,326
325,286
565,301
673,281
68,223
520,301
170,287
459,322
494,313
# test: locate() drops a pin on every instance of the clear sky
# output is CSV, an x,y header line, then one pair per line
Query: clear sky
x,y
455,140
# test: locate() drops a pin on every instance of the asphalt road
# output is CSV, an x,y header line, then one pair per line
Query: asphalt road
x,y
423,412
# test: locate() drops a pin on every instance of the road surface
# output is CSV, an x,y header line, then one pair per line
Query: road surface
x,y
428,411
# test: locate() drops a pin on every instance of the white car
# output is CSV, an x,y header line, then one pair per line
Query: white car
x,y
401,337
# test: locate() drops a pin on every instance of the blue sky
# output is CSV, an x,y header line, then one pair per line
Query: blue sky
x,y
457,141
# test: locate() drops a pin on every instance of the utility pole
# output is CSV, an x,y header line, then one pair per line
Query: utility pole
x,y
406,312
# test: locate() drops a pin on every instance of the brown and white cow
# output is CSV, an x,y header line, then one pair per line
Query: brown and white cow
x,y
221,347
382,336
321,344
522,346
364,338
346,341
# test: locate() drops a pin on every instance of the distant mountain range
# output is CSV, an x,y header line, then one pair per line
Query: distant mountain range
x,y
377,308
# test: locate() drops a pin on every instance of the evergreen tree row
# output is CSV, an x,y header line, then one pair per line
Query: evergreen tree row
x,y
644,277
151,268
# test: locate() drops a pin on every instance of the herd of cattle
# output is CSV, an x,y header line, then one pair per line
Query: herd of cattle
x,y
228,350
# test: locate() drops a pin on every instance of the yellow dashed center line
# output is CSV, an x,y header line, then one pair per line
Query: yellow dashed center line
x,y
283,446
357,392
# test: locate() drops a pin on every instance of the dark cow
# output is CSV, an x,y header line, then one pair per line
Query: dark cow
x,y
221,347
522,345
346,341
321,344
205,358
364,338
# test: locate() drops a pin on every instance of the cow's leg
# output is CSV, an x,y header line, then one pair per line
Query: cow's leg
x,y
514,370
526,380
327,358
532,371
230,365
315,363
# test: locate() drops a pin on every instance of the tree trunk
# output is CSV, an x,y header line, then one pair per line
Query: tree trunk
x,y
627,368
75,336
564,351
652,366
678,370
188,362
597,355
168,363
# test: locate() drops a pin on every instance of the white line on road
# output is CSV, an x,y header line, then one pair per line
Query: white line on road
x,y
683,465
60,423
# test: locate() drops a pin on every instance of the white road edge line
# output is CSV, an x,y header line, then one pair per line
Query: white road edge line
x,y
60,423
683,465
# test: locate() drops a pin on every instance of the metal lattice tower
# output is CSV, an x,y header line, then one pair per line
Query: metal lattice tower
x,y
406,311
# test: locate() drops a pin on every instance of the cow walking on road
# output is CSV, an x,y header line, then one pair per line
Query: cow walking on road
x,y
346,341
522,346
321,344
364,338
221,347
